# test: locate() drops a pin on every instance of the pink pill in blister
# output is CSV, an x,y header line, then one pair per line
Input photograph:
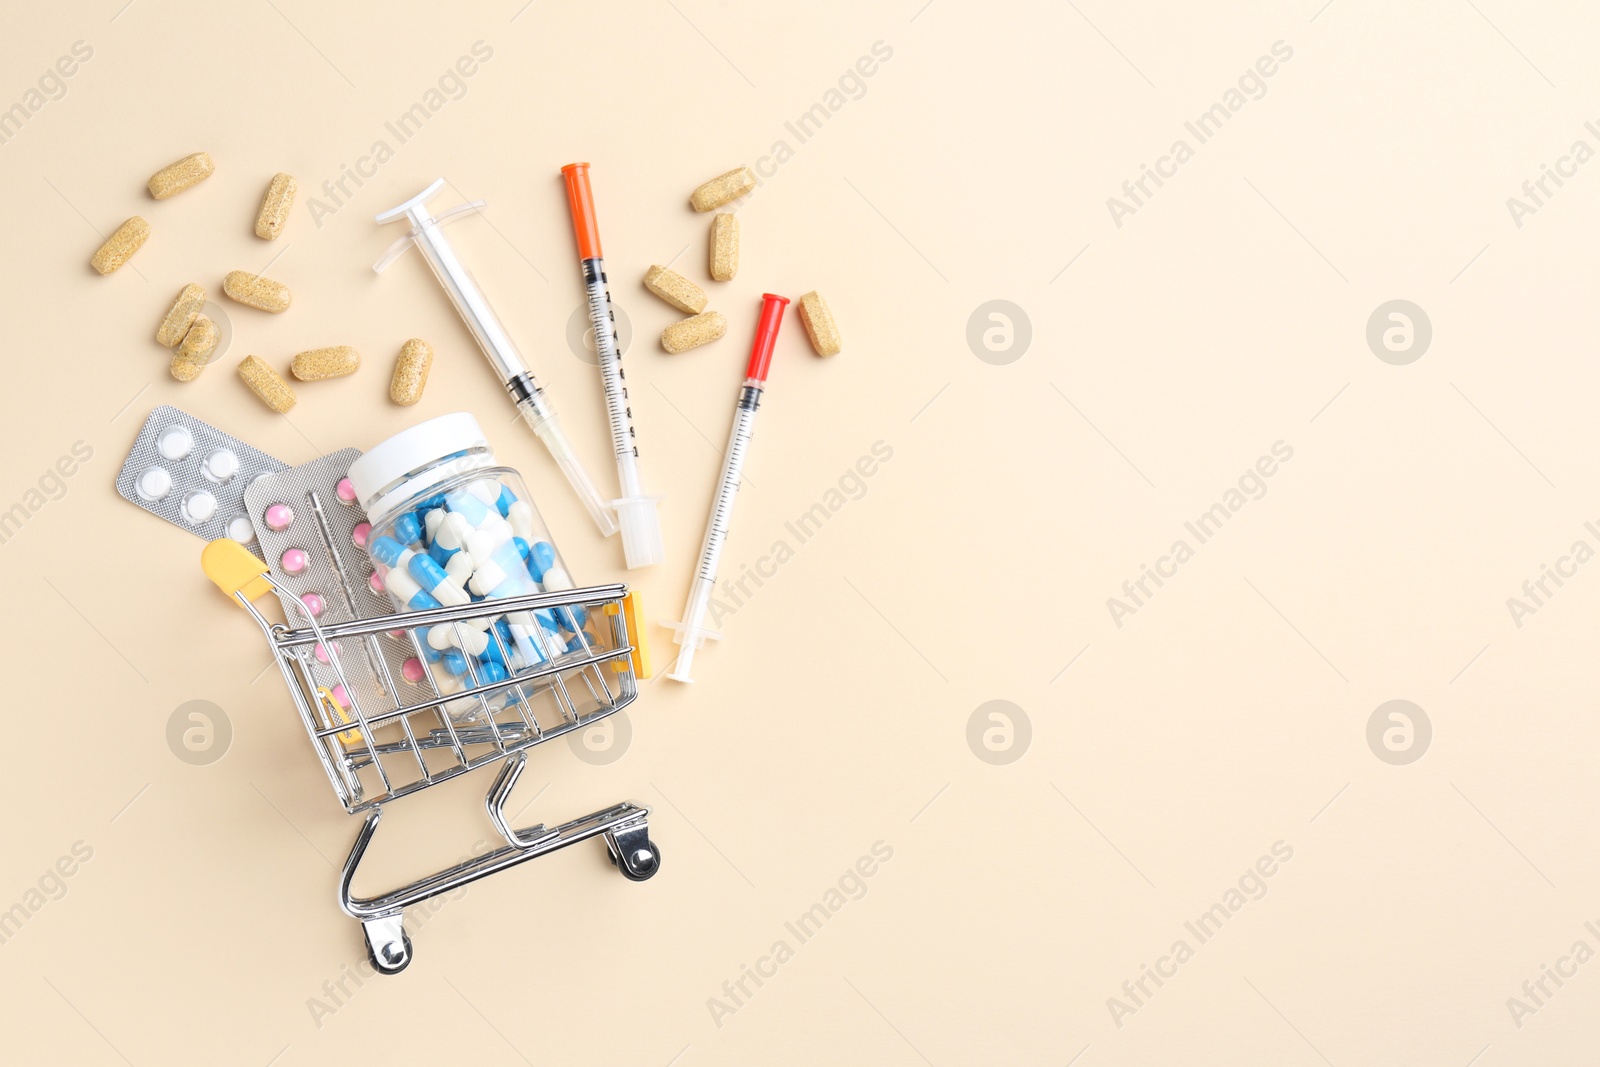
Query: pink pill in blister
x,y
412,670
279,517
321,654
376,581
341,696
314,604
346,492
293,561
360,534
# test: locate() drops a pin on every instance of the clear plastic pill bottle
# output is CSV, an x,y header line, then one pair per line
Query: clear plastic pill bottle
x,y
450,527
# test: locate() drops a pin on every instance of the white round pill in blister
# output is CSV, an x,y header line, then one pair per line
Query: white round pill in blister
x,y
154,483
222,465
241,530
198,507
176,442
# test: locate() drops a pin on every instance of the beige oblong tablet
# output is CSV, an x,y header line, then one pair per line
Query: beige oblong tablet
x,y
724,247
181,315
275,207
675,289
316,364
820,327
694,332
723,188
120,246
411,372
253,290
194,351
266,383
186,173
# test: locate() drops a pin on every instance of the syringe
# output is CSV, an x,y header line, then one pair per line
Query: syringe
x,y
475,311
636,512
691,633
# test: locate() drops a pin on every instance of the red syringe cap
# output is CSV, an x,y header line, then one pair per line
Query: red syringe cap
x,y
766,335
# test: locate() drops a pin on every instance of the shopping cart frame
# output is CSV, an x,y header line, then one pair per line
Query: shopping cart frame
x,y
346,744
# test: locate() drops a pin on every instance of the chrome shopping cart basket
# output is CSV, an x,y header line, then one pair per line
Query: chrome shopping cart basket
x,y
375,754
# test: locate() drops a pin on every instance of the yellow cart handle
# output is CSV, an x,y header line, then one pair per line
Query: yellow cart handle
x,y
235,569
633,615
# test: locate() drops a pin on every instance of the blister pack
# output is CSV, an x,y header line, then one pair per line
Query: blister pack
x,y
313,534
194,475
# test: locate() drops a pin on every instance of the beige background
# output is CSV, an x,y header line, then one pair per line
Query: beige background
x,y
1166,756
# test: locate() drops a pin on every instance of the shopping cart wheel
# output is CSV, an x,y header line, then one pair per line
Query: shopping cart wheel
x,y
630,848
388,944
642,864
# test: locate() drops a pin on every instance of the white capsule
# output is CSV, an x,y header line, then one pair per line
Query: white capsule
x,y
517,584
450,594
459,567
431,522
555,578
486,491
480,546
466,638
453,531
520,514
486,578
497,528
401,584
550,643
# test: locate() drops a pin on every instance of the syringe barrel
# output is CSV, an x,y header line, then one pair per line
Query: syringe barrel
x,y
619,416
467,296
542,420
744,420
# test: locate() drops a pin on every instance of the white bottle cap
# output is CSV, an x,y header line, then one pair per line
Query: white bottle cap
x,y
410,462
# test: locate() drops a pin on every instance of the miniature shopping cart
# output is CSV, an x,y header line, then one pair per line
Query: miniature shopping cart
x,y
374,754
